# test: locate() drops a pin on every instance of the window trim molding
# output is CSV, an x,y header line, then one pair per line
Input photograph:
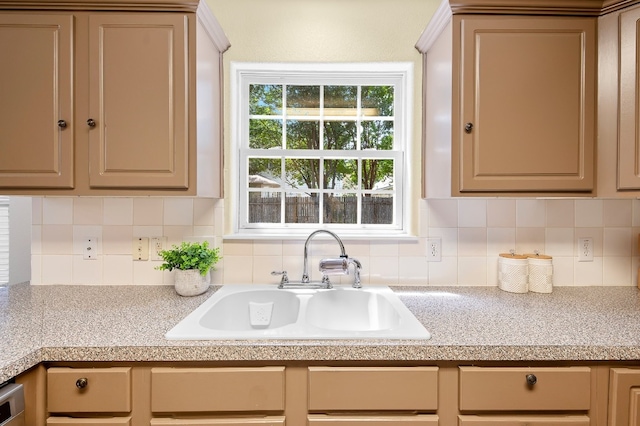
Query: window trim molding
x,y
342,72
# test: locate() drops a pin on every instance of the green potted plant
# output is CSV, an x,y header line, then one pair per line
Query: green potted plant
x,y
192,262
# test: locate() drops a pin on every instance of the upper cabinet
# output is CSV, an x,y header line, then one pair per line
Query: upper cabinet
x,y
618,104
519,114
36,100
111,102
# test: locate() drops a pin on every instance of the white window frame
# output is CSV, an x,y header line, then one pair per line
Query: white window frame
x,y
398,74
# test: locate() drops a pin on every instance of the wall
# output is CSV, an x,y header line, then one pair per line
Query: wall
x,y
473,232
19,239
326,31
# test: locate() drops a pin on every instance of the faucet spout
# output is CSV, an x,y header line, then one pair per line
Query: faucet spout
x,y
357,266
305,270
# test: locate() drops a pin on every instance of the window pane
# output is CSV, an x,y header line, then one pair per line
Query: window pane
x,y
301,208
340,174
377,135
264,207
265,99
303,100
378,97
340,135
265,172
265,134
342,208
377,209
377,174
302,173
303,134
340,97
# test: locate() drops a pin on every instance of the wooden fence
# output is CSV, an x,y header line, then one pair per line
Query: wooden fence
x,y
375,210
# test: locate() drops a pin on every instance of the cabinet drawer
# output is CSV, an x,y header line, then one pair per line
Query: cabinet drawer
x,y
217,389
373,388
556,388
107,390
322,420
263,421
119,421
524,421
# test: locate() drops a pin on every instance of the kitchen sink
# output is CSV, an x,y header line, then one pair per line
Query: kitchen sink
x,y
265,312
351,310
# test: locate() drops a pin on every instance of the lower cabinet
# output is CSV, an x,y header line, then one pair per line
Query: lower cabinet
x,y
346,396
539,393
255,393
89,396
624,397
524,421
300,393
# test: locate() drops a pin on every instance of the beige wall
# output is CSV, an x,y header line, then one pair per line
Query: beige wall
x,y
326,31
473,231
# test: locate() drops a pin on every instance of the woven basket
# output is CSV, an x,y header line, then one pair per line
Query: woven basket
x,y
540,273
513,273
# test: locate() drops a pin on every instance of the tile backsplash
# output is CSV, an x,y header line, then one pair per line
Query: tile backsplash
x,y
473,232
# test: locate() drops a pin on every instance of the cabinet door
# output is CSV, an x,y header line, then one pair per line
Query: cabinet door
x,y
138,101
524,421
104,421
36,92
523,104
624,397
629,144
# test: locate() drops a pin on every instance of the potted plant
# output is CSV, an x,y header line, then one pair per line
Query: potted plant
x,y
192,262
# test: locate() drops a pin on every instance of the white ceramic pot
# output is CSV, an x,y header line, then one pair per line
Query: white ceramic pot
x,y
190,283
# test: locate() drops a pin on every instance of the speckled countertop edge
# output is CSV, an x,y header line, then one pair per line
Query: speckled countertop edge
x,y
127,323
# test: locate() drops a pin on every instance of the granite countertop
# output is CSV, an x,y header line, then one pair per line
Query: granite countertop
x,y
127,323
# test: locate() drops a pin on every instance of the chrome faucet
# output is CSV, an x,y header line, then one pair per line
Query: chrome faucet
x,y
331,266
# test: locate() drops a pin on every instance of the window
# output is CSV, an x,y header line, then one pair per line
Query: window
x,y
321,145
4,239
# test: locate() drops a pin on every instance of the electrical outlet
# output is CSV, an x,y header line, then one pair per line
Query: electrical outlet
x,y
585,249
156,245
434,249
141,248
90,251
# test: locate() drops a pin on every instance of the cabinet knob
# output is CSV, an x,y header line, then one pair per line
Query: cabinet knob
x,y
468,127
531,379
91,122
62,124
82,383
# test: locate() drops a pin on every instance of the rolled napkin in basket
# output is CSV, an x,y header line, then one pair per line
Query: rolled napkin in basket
x,y
512,272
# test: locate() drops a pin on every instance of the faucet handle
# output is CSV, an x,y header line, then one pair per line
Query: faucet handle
x,y
285,278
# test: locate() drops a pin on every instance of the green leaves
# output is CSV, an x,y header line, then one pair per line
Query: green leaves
x,y
190,256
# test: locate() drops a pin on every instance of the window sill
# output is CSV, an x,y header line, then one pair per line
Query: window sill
x,y
303,234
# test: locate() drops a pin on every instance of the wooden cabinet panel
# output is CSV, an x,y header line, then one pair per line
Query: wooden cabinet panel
x,y
416,420
525,87
265,421
624,397
629,108
501,389
524,421
139,101
373,388
107,390
113,421
36,89
217,389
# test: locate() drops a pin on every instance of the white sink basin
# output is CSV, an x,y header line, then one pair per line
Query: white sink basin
x,y
266,312
353,310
